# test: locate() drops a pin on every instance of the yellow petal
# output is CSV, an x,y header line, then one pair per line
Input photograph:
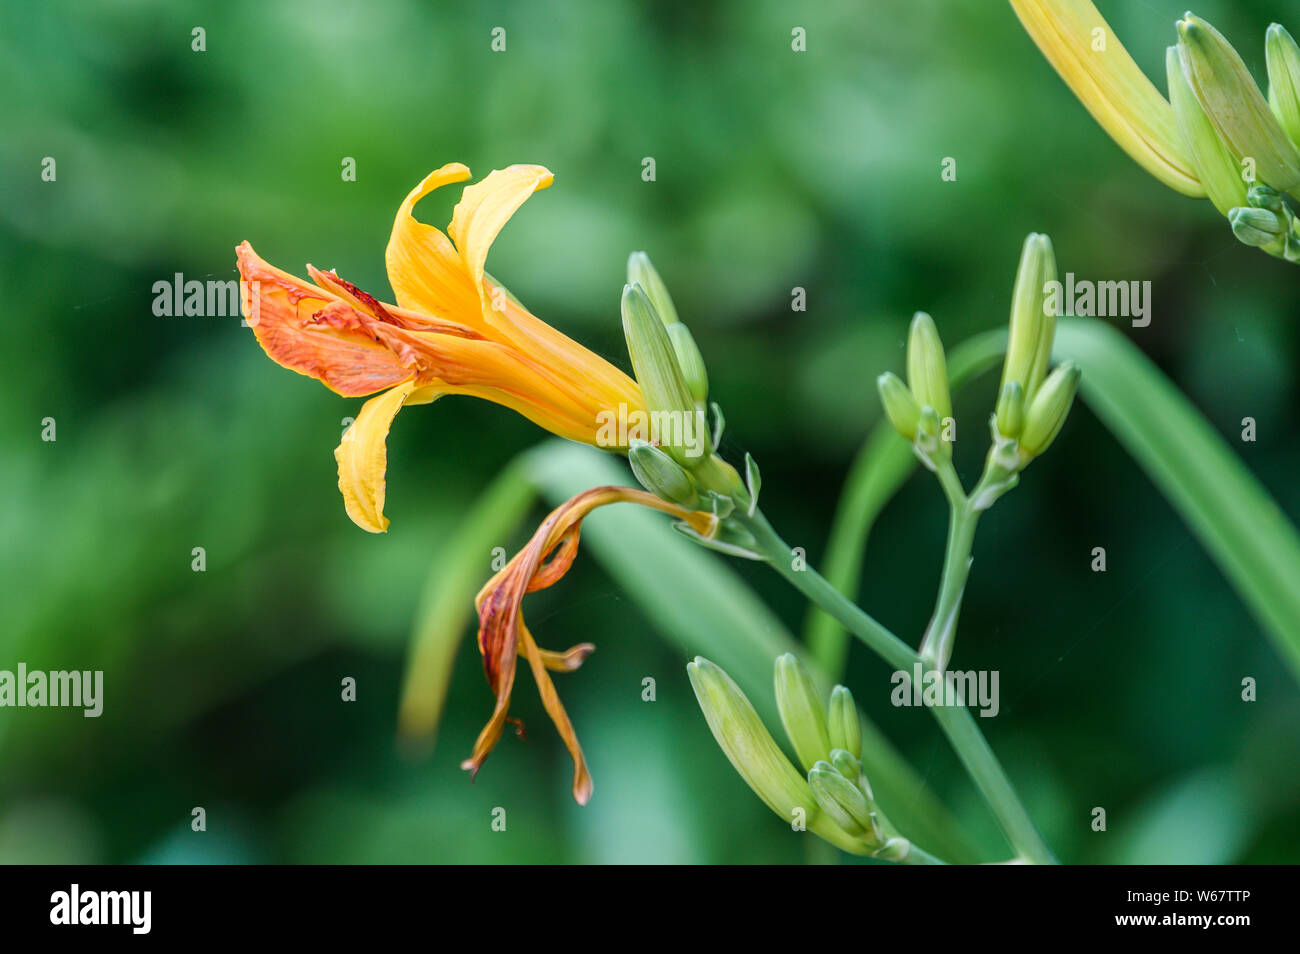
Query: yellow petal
x,y
484,208
362,455
1111,86
425,270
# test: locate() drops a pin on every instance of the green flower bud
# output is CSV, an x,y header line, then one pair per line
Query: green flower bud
x,y
927,442
1218,169
802,712
754,754
1234,104
846,764
1256,227
927,370
841,799
690,361
1049,409
660,474
899,403
1262,197
744,739
843,725
655,364
641,272
1010,412
1033,330
1283,58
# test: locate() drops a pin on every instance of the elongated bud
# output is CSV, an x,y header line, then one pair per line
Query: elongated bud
x,y
1010,412
899,403
657,371
1048,311
1257,227
1234,104
1219,170
927,370
741,735
690,361
839,798
1033,330
1049,409
1283,57
660,474
843,724
641,272
802,712
754,754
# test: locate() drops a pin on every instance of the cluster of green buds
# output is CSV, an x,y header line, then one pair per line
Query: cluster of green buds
x,y
681,463
1246,148
832,797
1032,404
921,409
1216,136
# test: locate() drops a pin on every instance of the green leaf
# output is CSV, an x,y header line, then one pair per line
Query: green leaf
x,y
1234,517
709,610
461,565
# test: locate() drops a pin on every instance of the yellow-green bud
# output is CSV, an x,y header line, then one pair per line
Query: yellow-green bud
x,y
754,754
802,711
660,474
690,361
899,403
744,739
846,764
843,724
641,272
1033,329
839,798
1283,58
1048,410
1234,104
1217,168
927,370
1011,410
1257,227
657,371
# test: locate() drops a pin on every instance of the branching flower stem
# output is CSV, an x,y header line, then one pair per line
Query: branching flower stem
x,y
955,721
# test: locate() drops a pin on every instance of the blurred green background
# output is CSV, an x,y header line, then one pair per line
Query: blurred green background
x,y
775,169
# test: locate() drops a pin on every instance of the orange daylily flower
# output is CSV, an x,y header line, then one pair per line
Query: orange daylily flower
x,y
502,632
454,330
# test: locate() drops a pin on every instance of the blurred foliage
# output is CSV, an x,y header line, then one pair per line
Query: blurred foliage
x,y
775,169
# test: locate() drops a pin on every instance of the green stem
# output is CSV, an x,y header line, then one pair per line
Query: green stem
x,y
879,470
919,856
955,721
936,645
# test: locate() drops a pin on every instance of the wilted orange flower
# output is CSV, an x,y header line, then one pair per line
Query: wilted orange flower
x,y
454,330
502,631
